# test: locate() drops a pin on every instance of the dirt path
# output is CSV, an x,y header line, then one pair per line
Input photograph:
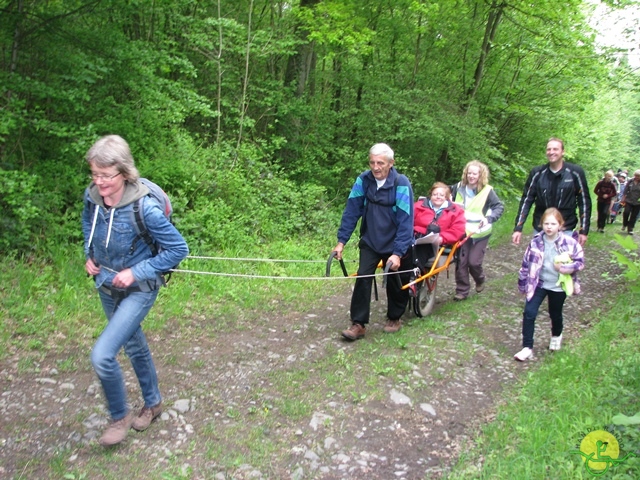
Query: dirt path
x,y
216,388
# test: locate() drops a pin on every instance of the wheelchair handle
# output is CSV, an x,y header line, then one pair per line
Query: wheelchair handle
x,y
387,268
330,259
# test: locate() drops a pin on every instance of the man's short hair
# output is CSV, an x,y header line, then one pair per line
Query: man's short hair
x,y
382,149
555,139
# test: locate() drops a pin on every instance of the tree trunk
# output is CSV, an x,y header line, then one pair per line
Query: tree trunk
x,y
301,65
245,83
495,16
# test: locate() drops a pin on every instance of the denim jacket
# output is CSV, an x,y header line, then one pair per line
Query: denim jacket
x,y
529,275
115,245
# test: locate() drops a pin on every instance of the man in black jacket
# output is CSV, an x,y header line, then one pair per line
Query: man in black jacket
x,y
558,184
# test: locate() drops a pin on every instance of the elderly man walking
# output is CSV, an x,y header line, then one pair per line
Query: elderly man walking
x,y
383,199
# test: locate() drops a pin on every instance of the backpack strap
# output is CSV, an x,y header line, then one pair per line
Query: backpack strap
x,y
93,213
143,233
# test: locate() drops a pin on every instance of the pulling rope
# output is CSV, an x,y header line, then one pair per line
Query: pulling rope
x,y
274,277
258,259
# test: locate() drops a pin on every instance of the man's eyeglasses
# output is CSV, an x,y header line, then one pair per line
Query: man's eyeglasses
x,y
108,178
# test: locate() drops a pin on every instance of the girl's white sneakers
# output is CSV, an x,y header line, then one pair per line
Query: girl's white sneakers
x,y
555,342
527,352
523,354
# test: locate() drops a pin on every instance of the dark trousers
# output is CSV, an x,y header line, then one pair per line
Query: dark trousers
x,y
531,307
603,213
629,216
397,298
470,258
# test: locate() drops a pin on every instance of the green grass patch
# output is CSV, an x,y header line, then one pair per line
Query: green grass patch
x,y
579,389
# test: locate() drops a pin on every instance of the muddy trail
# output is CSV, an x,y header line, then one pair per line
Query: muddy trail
x,y
221,387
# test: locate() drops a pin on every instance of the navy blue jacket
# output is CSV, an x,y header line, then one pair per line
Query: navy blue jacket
x,y
387,213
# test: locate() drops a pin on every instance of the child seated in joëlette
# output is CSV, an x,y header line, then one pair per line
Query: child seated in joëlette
x,y
438,218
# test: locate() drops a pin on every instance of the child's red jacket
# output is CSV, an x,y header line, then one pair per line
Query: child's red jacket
x,y
451,221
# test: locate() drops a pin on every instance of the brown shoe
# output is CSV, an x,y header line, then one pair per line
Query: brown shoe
x,y
116,432
145,417
480,286
458,297
392,326
354,332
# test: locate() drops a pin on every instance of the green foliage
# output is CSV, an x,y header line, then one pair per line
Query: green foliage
x,y
295,95
629,261
38,209
243,201
19,213
592,386
621,419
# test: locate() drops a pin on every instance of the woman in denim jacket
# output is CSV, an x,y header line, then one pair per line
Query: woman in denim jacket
x,y
127,276
539,278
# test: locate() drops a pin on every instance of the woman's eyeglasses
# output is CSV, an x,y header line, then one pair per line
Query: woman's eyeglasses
x,y
108,178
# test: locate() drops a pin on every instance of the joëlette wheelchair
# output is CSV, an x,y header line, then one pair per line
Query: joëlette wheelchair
x,y
430,260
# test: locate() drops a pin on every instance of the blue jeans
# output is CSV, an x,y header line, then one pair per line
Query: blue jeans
x,y
531,307
123,330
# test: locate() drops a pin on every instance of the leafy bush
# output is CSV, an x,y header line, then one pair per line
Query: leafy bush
x,y
243,201
19,213
629,261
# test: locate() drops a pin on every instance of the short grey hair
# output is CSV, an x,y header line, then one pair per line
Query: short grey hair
x,y
113,151
382,149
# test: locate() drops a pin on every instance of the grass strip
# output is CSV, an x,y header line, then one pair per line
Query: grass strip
x,y
538,429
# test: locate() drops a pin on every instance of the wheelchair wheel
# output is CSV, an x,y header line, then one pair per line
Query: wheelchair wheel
x,y
425,297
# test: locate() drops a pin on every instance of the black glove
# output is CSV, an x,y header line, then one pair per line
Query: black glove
x,y
433,228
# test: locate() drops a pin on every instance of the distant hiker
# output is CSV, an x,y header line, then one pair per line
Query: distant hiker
x,y
558,184
482,208
383,199
631,201
622,182
616,207
606,191
127,276
540,277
